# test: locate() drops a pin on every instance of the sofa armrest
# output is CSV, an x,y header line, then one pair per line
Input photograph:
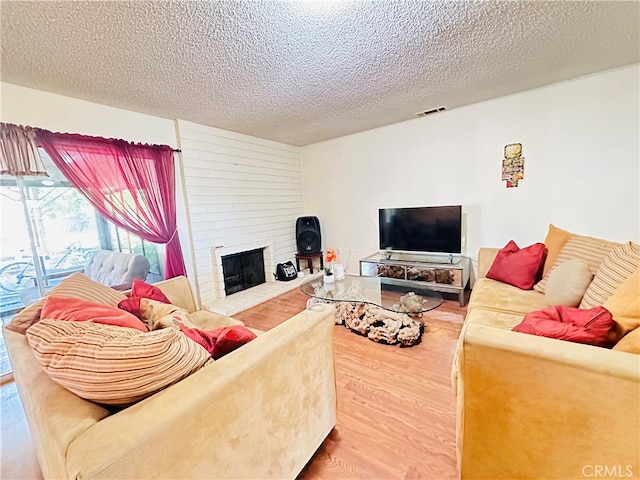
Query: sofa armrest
x,y
486,256
535,407
54,414
259,412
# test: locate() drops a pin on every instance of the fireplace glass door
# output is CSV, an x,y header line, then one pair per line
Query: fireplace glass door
x,y
243,270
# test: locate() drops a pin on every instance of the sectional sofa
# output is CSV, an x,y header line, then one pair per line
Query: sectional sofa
x,y
535,407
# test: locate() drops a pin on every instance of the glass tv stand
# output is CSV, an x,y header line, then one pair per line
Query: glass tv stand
x,y
440,273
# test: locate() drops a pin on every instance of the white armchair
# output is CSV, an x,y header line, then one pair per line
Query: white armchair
x,y
114,269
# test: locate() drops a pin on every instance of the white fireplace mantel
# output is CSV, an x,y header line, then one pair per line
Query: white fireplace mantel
x,y
220,251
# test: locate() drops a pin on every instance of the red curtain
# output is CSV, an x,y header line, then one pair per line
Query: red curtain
x,y
133,185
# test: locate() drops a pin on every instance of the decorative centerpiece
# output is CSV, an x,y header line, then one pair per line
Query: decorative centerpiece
x,y
329,277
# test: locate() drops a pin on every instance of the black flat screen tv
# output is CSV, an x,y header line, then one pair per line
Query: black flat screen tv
x,y
421,229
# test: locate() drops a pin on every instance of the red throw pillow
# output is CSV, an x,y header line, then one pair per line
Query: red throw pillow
x,y
78,310
131,305
230,338
593,326
142,289
221,341
520,267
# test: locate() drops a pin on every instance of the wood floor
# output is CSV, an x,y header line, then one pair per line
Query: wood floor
x,y
396,407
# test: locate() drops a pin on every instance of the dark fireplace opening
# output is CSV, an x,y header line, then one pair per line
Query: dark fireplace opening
x,y
243,270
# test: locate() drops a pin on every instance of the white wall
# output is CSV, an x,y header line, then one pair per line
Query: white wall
x,y
241,191
581,143
35,108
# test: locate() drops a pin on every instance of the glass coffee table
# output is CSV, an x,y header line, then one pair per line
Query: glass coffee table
x,y
377,307
377,291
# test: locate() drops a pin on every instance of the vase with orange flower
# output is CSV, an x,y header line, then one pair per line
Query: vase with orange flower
x,y
329,277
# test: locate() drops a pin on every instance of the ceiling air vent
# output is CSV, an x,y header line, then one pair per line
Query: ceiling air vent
x,y
429,112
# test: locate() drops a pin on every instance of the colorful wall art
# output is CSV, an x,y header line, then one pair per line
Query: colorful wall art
x,y
513,164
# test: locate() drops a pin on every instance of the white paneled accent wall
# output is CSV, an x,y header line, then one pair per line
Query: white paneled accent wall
x,y
242,193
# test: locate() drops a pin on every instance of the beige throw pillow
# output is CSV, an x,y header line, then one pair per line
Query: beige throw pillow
x,y
554,241
616,267
567,283
588,249
624,305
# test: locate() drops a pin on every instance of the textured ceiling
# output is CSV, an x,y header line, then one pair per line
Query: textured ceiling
x,y
299,72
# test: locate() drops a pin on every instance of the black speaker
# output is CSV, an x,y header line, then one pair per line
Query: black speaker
x,y
308,237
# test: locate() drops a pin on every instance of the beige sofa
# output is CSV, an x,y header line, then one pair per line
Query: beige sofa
x,y
259,412
535,407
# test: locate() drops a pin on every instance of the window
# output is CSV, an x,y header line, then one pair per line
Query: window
x,y
48,231
60,224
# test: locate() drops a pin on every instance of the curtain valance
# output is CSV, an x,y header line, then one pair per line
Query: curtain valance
x,y
19,151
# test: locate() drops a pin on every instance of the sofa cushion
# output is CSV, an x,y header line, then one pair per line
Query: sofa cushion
x,y
592,326
567,283
76,285
493,318
78,310
554,241
618,265
520,267
587,249
630,343
624,304
113,365
493,295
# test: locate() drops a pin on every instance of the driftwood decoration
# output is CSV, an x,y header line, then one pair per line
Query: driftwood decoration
x,y
349,310
383,326
411,304
437,275
433,275
444,276
391,271
421,274
378,324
